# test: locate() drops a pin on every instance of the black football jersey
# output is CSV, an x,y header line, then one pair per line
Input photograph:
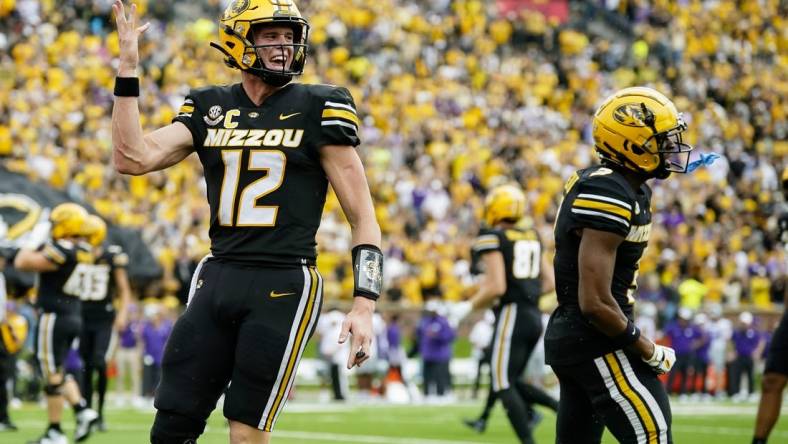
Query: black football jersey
x,y
60,291
100,290
601,199
522,254
265,184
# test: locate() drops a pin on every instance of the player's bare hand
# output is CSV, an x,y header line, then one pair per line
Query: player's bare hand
x,y
358,324
129,32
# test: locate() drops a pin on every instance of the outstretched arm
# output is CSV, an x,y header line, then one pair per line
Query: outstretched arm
x,y
346,175
132,152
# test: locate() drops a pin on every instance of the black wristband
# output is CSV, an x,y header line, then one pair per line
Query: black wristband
x,y
367,271
630,334
127,87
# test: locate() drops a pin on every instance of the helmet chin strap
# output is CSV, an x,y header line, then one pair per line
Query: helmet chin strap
x,y
272,79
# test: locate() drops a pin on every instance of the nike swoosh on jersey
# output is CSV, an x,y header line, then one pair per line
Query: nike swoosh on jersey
x,y
279,295
287,116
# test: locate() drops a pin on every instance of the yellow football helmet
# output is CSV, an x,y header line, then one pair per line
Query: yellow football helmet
x,y
13,332
235,38
67,220
504,202
95,230
640,129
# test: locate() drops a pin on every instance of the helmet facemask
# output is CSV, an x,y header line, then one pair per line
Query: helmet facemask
x,y
297,56
673,153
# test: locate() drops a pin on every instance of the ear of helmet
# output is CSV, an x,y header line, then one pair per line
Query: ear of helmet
x,y
504,203
67,220
235,37
95,230
641,130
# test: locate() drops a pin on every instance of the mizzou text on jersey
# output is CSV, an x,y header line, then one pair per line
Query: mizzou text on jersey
x,y
266,187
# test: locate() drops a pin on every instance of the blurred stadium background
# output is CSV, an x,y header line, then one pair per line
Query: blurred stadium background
x,y
455,97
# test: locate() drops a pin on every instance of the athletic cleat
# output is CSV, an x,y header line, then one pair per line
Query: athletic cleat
x,y
86,420
478,425
7,426
100,425
51,436
534,419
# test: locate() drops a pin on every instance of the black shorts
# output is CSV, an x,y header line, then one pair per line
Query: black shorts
x,y
618,391
96,341
54,337
777,361
517,330
244,324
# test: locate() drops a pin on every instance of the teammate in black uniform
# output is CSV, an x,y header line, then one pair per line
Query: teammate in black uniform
x,y
100,320
269,149
63,265
775,374
516,273
607,370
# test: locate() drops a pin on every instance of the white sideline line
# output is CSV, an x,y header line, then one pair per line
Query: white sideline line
x,y
309,436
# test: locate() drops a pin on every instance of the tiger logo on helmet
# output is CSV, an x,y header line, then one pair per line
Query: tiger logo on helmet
x,y
236,39
67,220
504,203
95,230
641,130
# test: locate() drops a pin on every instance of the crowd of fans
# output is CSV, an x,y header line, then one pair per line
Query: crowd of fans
x,y
454,98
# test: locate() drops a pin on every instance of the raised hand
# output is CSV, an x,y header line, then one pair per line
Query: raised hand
x,y
129,32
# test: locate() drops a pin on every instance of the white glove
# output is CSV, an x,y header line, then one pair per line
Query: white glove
x,y
662,360
458,311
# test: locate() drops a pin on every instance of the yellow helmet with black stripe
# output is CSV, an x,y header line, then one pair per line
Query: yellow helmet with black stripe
x,y
640,129
504,203
67,220
95,230
236,40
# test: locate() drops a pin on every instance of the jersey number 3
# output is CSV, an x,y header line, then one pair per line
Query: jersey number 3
x,y
527,258
249,214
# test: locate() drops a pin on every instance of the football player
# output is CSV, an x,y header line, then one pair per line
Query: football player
x,y
100,320
775,374
516,273
62,265
269,148
607,370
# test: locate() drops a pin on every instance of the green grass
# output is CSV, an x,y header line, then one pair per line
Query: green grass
x,y
382,424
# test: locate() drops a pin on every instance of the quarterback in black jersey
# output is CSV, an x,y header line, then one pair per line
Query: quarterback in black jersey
x,y
269,149
61,264
516,274
607,370
107,280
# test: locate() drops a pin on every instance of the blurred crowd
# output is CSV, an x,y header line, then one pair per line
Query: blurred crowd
x,y
455,97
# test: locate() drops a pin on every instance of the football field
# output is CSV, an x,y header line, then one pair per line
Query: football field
x,y
695,423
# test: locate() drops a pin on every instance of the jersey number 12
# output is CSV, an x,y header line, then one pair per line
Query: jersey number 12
x,y
249,213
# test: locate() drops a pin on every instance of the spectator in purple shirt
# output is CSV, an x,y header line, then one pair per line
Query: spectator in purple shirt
x,y
700,362
155,331
435,337
683,337
747,343
128,360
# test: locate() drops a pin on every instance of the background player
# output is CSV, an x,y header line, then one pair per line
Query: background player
x,y
100,320
64,265
606,369
516,272
269,149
